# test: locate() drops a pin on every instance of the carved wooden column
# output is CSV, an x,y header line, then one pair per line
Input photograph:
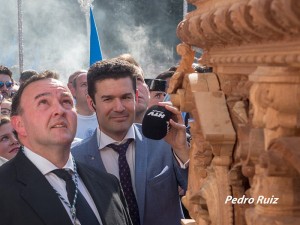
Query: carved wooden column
x,y
275,96
212,146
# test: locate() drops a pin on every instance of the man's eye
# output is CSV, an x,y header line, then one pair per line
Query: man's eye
x,y
4,138
43,101
157,96
127,97
67,101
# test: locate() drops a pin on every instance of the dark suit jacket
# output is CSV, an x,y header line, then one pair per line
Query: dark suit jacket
x,y
157,177
27,198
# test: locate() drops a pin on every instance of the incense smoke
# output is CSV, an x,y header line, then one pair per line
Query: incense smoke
x,y
147,30
55,34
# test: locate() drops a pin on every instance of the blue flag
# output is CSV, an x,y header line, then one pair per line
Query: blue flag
x,y
95,49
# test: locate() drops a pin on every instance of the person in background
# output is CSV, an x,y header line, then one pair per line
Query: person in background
x,y
9,145
166,76
6,107
49,74
13,90
43,184
143,94
72,77
6,81
157,90
86,117
26,74
149,170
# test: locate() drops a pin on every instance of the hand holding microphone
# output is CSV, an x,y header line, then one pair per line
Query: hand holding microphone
x,y
165,121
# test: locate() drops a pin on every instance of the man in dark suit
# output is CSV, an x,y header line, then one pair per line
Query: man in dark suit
x,y
43,185
157,168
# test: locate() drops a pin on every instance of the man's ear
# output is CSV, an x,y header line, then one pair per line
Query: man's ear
x,y
18,125
91,104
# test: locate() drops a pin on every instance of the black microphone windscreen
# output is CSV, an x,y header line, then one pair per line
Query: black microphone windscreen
x,y
155,123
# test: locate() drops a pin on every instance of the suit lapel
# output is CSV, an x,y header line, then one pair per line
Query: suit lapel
x,y
141,154
93,154
39,194
101,199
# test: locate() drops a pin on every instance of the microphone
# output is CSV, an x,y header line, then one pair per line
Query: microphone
x,y
155,123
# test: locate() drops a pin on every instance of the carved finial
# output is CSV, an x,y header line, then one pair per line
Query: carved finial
x,y
185,66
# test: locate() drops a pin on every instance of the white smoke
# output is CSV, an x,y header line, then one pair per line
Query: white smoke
x,y
123,30
145,50
55,36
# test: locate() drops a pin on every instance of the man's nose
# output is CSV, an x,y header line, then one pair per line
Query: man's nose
x,y
13,140
58,109
4,87
119,105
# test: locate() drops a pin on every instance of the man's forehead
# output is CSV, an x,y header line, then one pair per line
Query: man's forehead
x,y
46,85
102,84
82,76
4,75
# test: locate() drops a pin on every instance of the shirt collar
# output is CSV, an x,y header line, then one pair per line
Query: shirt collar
x,y
44,165
103,140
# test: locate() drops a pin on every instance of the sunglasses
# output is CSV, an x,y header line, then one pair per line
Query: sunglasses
x,y
8,84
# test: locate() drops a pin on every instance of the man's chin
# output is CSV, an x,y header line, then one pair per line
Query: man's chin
x,y
122,125
65,139
120,120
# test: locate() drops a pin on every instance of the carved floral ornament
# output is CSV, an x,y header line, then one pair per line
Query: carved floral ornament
x,y
275,95
243,22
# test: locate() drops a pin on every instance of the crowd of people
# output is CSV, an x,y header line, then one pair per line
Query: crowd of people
x,y
76,154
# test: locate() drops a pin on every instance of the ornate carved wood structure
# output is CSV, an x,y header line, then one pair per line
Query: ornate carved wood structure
x,y
246,114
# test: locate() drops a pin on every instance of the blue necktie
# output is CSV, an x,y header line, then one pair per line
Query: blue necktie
x,y
125,180
84,213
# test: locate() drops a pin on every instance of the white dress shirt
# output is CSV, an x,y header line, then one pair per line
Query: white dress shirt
x,y
110,157
45,166
2,160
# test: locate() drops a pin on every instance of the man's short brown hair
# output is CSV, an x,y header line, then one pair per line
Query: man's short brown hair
x,y
5,70
110,69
